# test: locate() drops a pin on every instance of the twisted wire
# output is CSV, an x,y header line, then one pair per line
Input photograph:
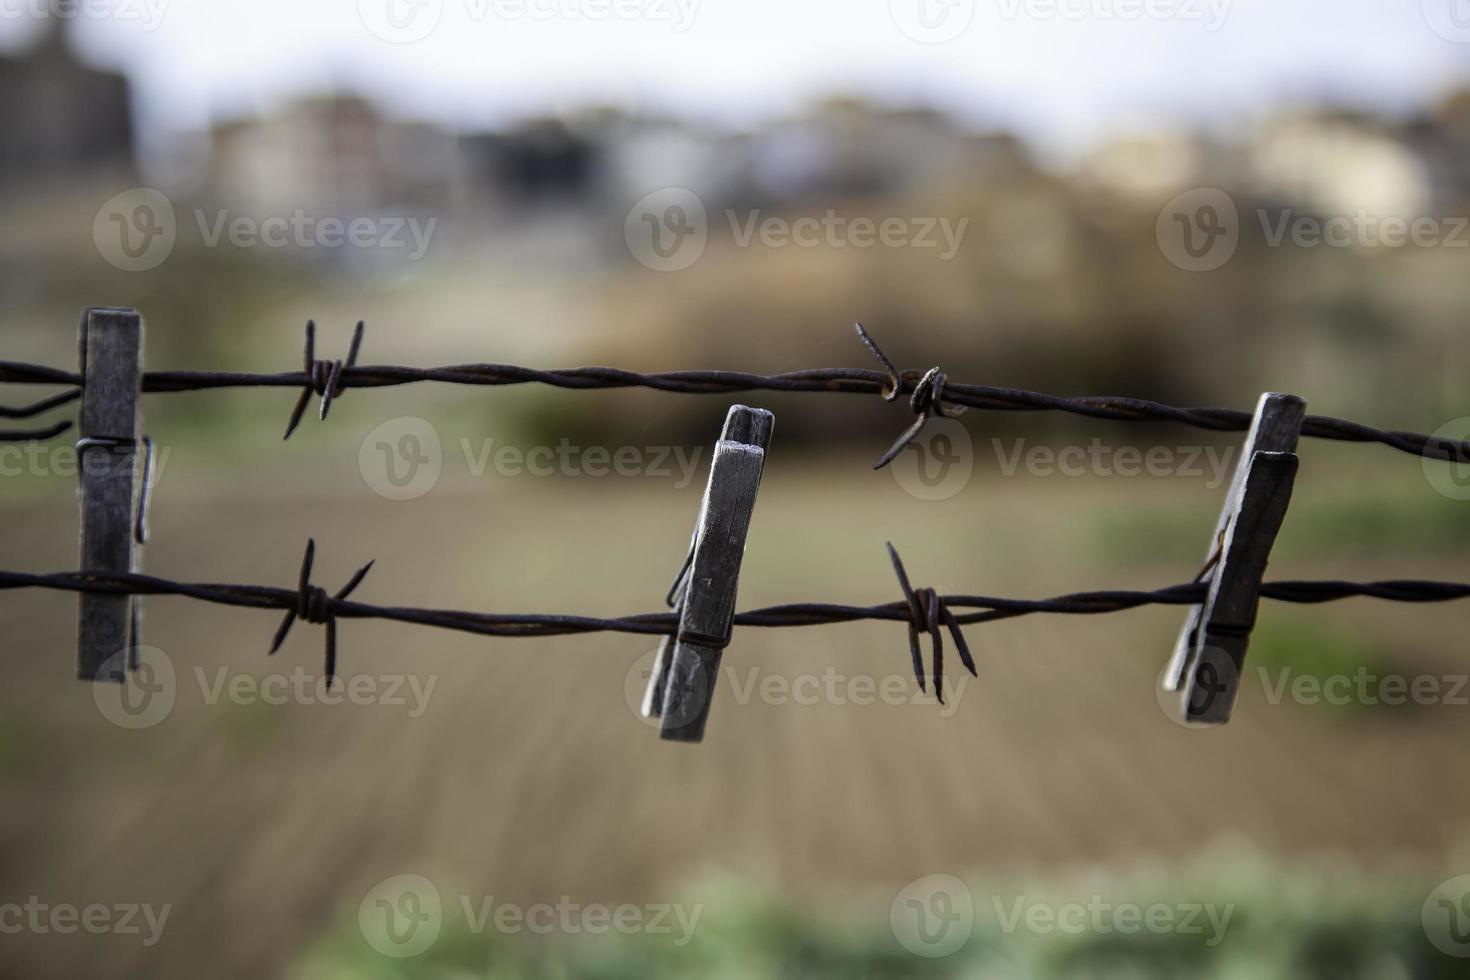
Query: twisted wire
x,y
984,608
933,388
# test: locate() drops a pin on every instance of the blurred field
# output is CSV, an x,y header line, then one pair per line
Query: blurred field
x,y
529,777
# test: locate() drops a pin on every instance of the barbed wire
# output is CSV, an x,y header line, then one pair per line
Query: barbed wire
x,y
923,610
929,390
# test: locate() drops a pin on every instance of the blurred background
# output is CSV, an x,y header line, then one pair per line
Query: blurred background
x,y
1192,201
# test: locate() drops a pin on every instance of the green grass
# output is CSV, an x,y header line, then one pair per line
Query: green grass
x,y
1302,925
1369,523
1291,646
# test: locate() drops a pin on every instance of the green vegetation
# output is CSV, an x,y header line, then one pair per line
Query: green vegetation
x,y
1286,647
1303,925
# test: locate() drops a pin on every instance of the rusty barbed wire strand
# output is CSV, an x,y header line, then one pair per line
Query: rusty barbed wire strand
x,y
930,391
323,608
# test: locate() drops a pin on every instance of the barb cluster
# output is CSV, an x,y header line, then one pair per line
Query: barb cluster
x,y
927,610
314,606
323,378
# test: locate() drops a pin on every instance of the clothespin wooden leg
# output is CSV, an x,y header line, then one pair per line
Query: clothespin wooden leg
x,y
1209,657
708,607
658,680
111,349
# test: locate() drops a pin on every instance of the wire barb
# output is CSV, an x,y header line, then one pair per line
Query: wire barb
x,y
323,378
314,606
927,612
927,401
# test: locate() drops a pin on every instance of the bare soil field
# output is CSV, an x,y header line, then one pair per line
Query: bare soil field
x,y
520,770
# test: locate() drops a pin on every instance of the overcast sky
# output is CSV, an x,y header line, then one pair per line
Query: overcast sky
x,y
1064,72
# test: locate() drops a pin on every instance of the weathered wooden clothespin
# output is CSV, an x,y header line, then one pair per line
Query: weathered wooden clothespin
x,y
653,697
704,592
113,486
1209,657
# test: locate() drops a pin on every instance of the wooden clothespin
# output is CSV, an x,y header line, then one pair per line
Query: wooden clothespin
x,y
113,486
704,592
653,697
1209,657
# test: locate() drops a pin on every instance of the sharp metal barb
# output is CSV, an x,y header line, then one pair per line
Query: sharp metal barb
x,y
959,639
895,382
937,639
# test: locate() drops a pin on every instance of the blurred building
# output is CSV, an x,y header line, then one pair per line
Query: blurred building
x,y
331,154
1440,137
61,118
1149,164
846,147
1337,162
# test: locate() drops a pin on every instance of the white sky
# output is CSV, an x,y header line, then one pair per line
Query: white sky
x,y
1062,72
